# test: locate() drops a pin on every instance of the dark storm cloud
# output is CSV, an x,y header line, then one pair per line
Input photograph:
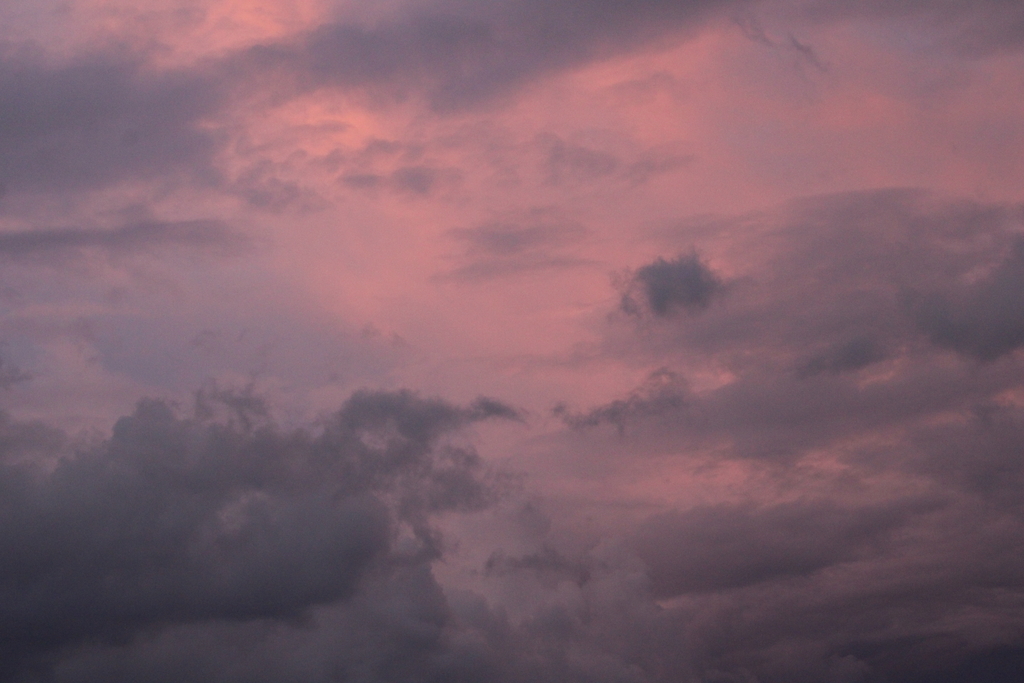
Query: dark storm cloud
x,y
132,237
684,282
191,520
99,120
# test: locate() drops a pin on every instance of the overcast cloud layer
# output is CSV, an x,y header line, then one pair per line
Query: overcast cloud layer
x,y
507,341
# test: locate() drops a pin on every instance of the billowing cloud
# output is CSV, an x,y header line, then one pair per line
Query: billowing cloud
x,y
683,283
177,520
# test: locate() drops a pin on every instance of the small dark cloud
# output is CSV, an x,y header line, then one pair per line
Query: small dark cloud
x,y
685,283
805,54
541,231
484,407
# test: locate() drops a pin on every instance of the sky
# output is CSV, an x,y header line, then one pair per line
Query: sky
x,y
495,341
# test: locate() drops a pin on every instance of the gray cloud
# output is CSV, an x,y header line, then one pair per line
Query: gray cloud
x,y
199,520
684,282
107,116
462,53
824,304
976,28
567,162
48,242
984,319
849,356
852,336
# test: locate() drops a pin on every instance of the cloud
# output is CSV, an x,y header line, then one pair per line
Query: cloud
x,y
977,28
984,319
839,327
850,470
462,53
109,115
848,356
101,119
718,547
41,243
538,239
684,282
179,521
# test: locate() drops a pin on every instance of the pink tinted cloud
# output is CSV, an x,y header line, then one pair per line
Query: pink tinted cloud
x,y
761,398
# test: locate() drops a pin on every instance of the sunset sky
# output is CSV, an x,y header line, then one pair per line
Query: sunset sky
x,y
417,341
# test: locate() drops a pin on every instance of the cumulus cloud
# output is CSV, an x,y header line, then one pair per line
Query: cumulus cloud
x,y
192,520
684,282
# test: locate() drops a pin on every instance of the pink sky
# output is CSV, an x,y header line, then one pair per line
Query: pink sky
x,y
743,282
